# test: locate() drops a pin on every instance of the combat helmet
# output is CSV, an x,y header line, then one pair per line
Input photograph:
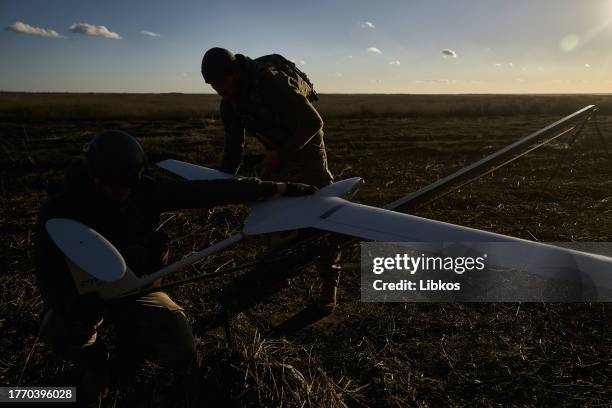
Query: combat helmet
x,y
218,63
115,157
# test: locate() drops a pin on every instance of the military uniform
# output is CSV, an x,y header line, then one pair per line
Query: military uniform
x,y
272,106
152,326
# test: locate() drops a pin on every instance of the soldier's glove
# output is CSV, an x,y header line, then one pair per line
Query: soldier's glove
x,y
299,189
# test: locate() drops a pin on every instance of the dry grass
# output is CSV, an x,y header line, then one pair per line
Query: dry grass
x,y
391,355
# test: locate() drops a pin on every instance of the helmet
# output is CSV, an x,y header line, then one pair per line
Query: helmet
x,y
116,157
217,64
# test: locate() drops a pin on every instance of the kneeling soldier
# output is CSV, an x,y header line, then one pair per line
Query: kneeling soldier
x,y
107,191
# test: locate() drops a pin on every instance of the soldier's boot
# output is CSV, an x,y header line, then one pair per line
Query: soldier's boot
x,y
327,300
330,277
92,375
323,305
76,340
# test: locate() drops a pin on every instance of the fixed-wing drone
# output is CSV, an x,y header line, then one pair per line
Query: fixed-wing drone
x,y
98,267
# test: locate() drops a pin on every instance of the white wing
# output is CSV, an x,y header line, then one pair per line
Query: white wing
x,y
88,249
325,211
95,264
370,223
191,171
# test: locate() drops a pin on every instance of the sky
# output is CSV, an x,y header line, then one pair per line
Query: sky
x,y
345,46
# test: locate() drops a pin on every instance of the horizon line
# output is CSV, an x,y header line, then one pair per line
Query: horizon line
x,y
318,93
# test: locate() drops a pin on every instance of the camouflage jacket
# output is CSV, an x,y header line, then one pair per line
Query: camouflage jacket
x,y
271,106
130,225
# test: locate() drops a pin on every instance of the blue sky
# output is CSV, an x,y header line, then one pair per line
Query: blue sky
x,y
344,46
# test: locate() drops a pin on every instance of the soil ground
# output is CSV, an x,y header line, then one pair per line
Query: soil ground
x,y
497,354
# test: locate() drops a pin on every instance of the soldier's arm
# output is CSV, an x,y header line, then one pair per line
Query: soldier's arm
x,y
296,113
234,138
170,195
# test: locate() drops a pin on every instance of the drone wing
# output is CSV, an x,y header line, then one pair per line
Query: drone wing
x,y
192,171
326,211
95,264
370,223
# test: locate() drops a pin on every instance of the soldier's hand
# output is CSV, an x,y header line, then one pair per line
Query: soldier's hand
x,y
298,189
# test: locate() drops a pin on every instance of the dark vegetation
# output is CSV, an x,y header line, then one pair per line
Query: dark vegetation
x,y
93,107
365,354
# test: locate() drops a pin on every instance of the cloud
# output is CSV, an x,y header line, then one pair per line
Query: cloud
x,y
298,62
508,64
433,81
24,28
587,66
394,62
449,53
149,33
94,31
368,24
374,50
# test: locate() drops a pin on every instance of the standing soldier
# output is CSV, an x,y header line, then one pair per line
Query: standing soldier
x,y
107,191
270,98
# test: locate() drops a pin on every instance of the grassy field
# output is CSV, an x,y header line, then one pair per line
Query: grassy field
x,y
390,355
84,107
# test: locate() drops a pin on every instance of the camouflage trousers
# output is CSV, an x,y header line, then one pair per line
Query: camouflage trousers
x,y
150,327
309,166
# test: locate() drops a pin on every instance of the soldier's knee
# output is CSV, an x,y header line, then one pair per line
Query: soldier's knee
x,y
67,337
185,351
329,260
179,349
